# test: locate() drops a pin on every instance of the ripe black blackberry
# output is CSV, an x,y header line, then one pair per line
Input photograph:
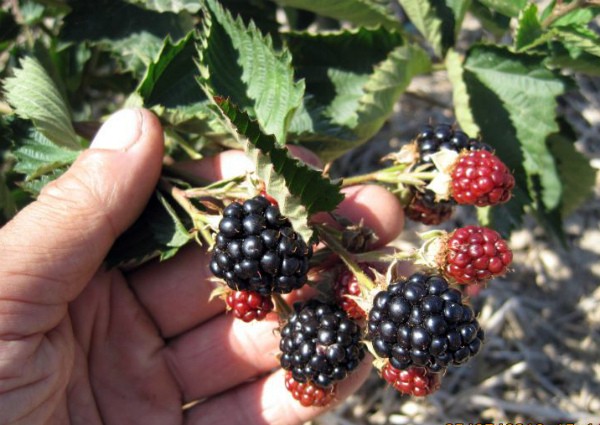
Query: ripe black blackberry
x,y
256,249
431,139
320,344
421,321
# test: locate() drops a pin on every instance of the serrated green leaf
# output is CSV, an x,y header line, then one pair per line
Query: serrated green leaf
x,y
385,86
435,20
158,232
561,58
299,189
577,175
37,156
460,95
580,16
34,96
527,91
174,6
170,79
349,97
506,7
359,12
578,40
495,23
170,230
35,186
529,28
236,61
132,34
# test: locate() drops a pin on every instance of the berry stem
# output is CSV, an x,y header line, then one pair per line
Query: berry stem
x,y
283,308
327,235
200,222
393,175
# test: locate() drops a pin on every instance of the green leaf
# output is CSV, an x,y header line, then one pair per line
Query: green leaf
x,y
158,232
170,79
349,97
174,6
513,101
581,16
299,189
436,20
506,7
236,61
578,40
494,22
528,92
132,34
38,156
359,12
577,175
169,231
529,28
574,60
8,206
34,96
460,95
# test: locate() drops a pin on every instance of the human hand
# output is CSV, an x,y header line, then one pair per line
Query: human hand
x,y
82,344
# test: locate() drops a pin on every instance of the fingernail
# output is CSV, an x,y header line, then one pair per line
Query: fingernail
x,y
120,132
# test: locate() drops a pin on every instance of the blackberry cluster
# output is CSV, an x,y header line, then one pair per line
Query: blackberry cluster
x,y
420,321
320,344
431,139
257,249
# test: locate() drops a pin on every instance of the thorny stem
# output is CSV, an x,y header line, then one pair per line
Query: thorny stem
x,y
198,218
563,9
327,235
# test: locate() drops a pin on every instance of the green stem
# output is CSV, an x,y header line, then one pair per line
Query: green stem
x,y
283,308
198,218
564,9
393,174
326,234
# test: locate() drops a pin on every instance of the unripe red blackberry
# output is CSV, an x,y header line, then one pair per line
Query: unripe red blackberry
x,y
423,208
248,305
480,178
320,344
415,381
421,321
256,249
309,394
431,139
475,254
347,285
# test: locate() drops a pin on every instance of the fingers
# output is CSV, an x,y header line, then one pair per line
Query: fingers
x,y
222,353
268,400
55,245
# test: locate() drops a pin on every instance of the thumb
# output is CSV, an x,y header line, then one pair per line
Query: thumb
x,y
53,247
